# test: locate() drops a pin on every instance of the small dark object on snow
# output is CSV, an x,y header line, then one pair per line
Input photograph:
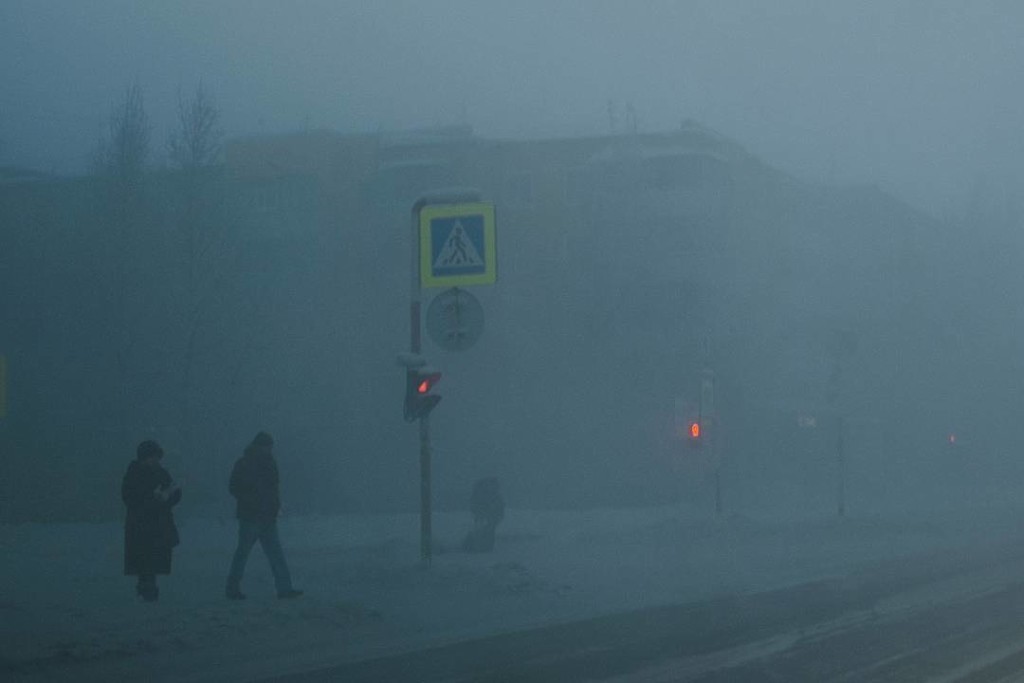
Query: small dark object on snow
x,y
488,510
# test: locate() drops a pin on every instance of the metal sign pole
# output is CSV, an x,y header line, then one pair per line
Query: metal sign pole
x,y
718,481
426,513
453,196
841,468
415,345
709,425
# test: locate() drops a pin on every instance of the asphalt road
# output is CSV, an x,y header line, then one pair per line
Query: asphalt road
x,y
956,616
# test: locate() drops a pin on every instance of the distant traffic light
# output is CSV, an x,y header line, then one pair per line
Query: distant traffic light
x,y
419,382
695,433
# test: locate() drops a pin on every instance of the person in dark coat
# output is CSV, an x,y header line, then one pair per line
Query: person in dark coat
x,y
255,485
488,509
150,535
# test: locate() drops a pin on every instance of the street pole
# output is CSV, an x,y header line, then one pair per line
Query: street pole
x,y
708,417
718,487
842,345
840,467
415,346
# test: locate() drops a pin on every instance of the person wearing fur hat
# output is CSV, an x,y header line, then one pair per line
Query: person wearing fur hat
x,y
150,535
255,485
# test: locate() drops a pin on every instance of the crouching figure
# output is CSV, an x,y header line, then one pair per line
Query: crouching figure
x,y
488,510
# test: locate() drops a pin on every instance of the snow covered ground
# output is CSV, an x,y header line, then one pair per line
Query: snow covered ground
x,y
67,613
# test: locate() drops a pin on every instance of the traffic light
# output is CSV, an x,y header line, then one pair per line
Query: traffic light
x,y
419,382
695,433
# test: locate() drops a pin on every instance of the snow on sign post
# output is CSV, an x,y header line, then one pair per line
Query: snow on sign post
x,y
457,245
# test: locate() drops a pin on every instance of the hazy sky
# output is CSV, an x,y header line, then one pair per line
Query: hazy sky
x,y
920,97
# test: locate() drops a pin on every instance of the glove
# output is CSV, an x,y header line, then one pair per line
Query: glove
x,y
164,493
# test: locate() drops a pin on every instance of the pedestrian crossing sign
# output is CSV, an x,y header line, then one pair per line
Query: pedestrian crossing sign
x,y
457,246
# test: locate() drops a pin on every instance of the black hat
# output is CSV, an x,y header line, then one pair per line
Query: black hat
x,y
263,439
148,448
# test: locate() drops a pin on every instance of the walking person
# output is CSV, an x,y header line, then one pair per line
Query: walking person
x,y
255,485
150,535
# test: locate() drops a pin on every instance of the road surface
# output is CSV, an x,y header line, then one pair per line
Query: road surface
x,y
956,616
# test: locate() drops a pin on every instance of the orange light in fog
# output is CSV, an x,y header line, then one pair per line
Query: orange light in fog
x,y
695,430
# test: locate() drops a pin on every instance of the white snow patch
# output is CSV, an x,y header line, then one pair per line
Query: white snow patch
x,y
66,611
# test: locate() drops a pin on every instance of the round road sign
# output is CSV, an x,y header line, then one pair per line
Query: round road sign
x,y
455,319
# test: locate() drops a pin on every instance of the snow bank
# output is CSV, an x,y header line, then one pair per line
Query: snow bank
x,y
66,612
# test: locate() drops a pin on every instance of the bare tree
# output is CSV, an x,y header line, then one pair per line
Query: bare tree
x,y
121,162
197,140
201,226
194,147
123,154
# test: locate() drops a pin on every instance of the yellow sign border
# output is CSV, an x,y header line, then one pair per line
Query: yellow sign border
x,y
433,211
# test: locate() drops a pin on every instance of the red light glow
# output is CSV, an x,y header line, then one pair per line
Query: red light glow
x,y
695,430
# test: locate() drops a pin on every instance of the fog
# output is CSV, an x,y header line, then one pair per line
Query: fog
x,y
840,239
920,97
796,224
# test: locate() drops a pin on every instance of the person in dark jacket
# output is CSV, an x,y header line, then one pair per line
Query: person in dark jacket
x,y
149,531
255,485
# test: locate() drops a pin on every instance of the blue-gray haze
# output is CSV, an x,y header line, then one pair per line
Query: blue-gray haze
x,y
863,256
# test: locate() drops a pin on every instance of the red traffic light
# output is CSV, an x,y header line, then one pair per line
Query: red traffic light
x,y
418,399
427,382
695,430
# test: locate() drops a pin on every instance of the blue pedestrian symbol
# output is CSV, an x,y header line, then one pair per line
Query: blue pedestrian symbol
x,y
456,245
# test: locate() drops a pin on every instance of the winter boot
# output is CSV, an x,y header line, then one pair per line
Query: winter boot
x,y
147,590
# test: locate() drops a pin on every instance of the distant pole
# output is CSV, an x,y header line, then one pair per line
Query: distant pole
x,y
708,417
840,468
842,345
718,486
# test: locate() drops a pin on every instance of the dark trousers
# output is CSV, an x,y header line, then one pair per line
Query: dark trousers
x,y
264,531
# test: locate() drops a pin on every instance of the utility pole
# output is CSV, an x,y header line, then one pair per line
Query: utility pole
x,y
843,345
